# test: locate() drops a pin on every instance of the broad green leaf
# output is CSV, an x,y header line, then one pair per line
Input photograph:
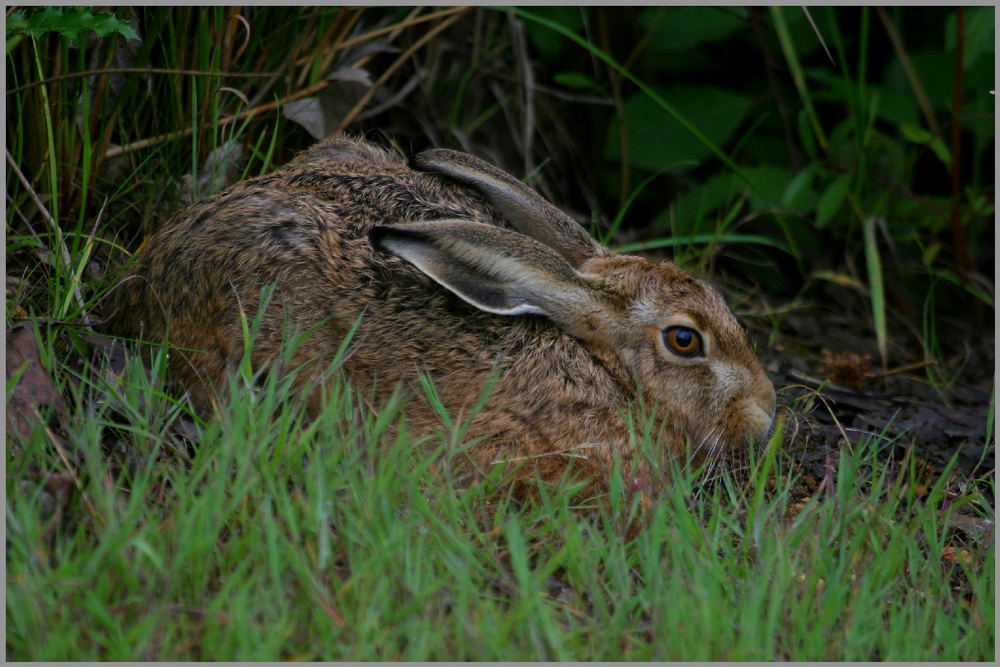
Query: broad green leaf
x,y
936,70
980,26
692,211
919,135
575,80
71,23
698,203
675,29
799,195
915,133
979,104
831,200
930,253
770,183
657,141
547,42
894,106
806,134
646,89
883,156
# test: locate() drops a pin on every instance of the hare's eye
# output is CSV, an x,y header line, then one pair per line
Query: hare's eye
x,y
683,341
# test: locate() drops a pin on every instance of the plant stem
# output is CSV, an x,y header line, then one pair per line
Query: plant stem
x,y
911,74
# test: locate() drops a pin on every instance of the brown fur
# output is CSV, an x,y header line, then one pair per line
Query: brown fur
x,y
565,378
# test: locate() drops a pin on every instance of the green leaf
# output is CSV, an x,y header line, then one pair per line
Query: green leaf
x,y
648,90
919,135
657,141
875,285
575,80
915,134
930,253
548,43
936,71
941,151
71,23
831,200
799,195
980,25
894,106
769,185
693,208
676,29
806,135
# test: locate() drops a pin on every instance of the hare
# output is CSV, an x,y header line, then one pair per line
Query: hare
x,y
457,269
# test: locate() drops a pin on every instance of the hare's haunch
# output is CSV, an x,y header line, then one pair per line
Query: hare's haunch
x,y
459,270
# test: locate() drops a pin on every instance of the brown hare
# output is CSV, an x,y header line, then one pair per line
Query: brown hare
x,y
456,269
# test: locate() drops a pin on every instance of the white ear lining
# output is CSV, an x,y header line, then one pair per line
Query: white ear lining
x,y
521,309
427,266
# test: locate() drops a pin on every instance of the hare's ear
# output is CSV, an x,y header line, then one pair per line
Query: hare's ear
x,y
525,210
496,270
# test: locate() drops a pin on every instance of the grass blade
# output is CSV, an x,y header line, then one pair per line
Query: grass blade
x,y
875,286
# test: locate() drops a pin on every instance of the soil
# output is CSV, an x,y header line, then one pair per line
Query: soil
x,y
832,396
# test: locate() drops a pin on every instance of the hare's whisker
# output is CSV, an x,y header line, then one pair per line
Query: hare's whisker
x,y
563,452
704,440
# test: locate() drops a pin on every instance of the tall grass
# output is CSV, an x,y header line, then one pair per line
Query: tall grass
x,y
279,538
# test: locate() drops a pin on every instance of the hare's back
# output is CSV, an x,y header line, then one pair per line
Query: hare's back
x,y
328,196
365,185
302,229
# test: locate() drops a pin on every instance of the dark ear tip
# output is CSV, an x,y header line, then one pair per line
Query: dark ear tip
x,y
432,158
422,161
380,236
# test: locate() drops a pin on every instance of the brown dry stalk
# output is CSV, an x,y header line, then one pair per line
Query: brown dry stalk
x,y
53,227
340,26
305,92
409,21
138,70
57,443
429,35
152,141
902,369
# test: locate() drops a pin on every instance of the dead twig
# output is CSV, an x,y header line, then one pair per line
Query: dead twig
x,y
408,22
138,70
428,36
152,141
902,369
53,226
305,92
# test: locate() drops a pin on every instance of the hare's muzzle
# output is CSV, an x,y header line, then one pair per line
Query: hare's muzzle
x,y
749,418
758,412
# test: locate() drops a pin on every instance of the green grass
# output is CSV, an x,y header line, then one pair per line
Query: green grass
x,y
278,538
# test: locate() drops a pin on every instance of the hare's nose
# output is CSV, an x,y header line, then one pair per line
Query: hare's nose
x,y
769,399
759,418
759,407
